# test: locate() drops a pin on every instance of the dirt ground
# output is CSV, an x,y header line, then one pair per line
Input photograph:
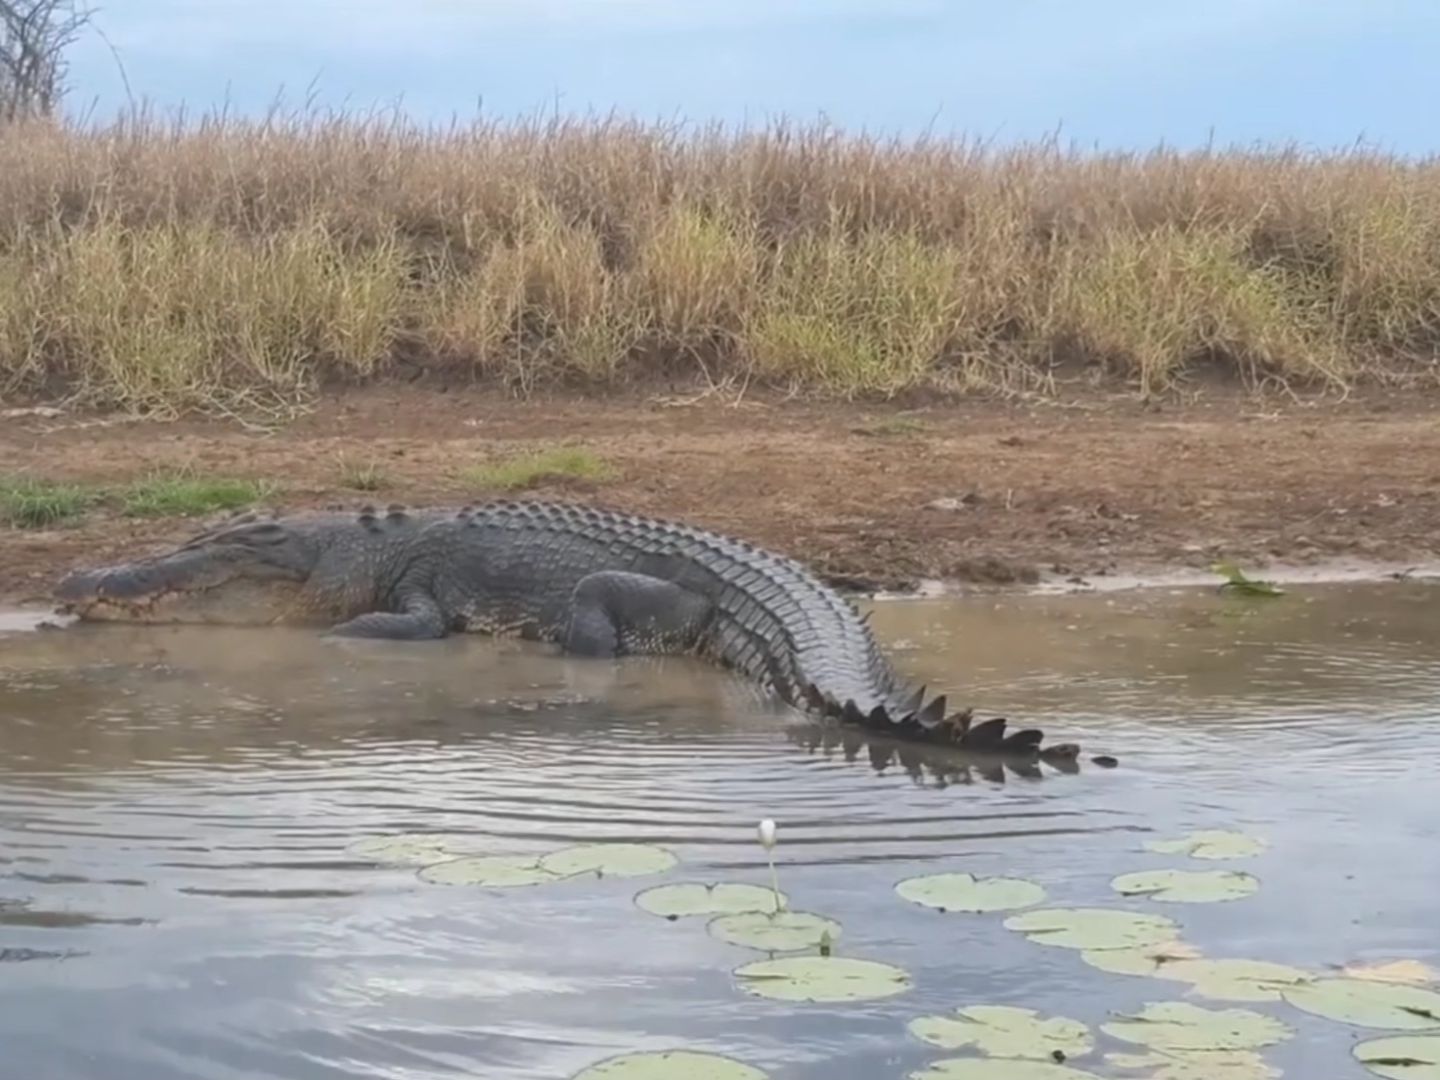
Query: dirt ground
x,y
868,495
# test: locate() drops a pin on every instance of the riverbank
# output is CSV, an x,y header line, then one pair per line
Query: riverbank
x,y
235,268
1087,487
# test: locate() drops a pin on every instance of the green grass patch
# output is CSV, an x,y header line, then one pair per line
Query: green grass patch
x,y
187,494
28,503
1236,580
541,466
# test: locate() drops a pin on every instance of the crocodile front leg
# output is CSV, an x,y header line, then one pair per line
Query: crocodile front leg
x,y
613,612
420,619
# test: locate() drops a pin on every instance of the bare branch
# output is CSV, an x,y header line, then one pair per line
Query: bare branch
x,y
34,35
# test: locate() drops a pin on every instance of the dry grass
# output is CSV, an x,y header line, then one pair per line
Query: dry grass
x,y
361,475
234,267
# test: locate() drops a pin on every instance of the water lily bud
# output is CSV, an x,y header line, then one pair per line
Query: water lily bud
x,y
767,834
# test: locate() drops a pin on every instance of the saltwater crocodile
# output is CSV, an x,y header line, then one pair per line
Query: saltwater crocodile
x,y
596,582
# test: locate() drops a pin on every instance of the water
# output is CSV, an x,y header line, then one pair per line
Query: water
x,y
176,899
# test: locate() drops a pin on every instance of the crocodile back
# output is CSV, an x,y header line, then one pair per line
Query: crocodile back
x,y
775,622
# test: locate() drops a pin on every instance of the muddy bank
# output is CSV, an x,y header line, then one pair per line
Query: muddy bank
x,y
1093,488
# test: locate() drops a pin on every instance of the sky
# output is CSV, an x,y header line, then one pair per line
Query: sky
x,y
1109,74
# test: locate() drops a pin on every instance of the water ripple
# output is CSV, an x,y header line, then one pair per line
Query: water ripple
x,y
176,809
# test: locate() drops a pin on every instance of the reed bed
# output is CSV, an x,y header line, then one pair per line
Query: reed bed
x,y
220,265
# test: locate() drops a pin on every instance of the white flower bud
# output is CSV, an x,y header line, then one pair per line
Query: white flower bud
x,y
767,833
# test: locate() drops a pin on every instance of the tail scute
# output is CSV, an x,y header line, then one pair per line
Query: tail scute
x,y
928,722
913,705
814,698
988,735
933,714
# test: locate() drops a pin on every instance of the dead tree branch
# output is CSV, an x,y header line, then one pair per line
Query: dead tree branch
x,y
34,35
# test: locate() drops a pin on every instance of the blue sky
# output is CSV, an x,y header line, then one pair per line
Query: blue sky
x,y
1112,73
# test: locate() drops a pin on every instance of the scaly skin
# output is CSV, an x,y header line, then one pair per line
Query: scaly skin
x,y
595,582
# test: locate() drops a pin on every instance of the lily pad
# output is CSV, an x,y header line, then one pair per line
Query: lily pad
x,y
609,860
1092,928
999,1069
1146,960
491,871
1237,980
1366,1003
1415,972
1219,980
1402,1057
409,849
1187,886
966,892
1172,1026
785,931
689,899
822,978
1005,1031
668,1065
1198,1065
1211,844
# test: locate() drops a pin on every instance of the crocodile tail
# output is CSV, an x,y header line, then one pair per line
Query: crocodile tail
x,y
928,722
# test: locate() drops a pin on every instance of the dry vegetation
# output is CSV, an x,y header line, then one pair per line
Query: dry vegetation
x,y
224,266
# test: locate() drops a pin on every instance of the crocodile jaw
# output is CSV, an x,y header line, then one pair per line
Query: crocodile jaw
x,y
180,587
234,603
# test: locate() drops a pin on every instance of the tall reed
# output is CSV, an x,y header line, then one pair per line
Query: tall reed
x,y
226,265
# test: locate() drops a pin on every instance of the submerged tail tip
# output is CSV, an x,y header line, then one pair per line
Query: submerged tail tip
x,y
930,723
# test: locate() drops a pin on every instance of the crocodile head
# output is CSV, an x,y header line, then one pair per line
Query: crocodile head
x,y
248,570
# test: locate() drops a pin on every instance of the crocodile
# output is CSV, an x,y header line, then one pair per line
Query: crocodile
x,y
595,582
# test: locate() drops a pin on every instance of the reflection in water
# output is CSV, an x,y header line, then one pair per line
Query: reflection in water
x,y
175,807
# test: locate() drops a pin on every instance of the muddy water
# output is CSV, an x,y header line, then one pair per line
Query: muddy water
x,y
176,899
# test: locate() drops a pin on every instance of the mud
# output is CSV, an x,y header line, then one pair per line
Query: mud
x,y
1086,490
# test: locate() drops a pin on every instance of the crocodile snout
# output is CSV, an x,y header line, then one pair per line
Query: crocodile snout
x,y
129,582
